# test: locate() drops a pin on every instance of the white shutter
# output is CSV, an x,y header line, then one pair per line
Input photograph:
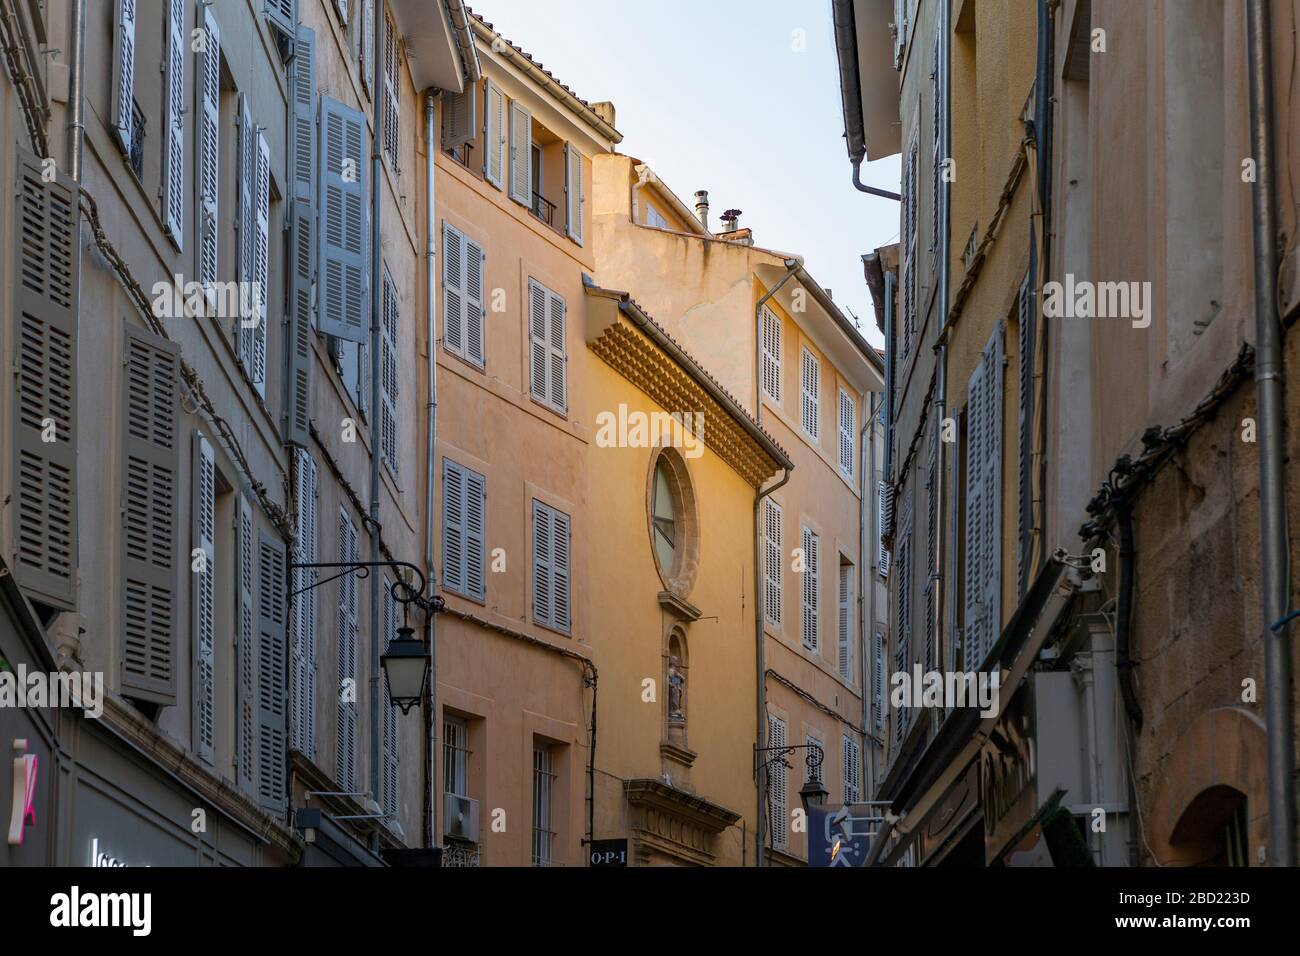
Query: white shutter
x,y
342,7
772,560
521,154
903,615
246,174
885,521
392,90
778,786
771,355
543,610
124,75
389,374
346,724
575,192
173,184
302,240
261,261
878,678
560,544
846,622
304,610
246,652
272,759
209,146
344,271
202,595
555,309
810,405
494,138
848,433
811,590
983,503
367,50
460,118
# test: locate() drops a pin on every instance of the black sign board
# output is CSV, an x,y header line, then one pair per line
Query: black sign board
x,y
608,852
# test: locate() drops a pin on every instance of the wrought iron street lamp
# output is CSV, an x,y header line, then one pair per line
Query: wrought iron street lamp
x,y
812,793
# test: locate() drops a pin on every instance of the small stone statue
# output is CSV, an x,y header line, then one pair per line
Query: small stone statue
x,y
676,691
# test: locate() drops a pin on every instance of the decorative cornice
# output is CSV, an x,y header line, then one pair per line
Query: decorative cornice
x,y
679,606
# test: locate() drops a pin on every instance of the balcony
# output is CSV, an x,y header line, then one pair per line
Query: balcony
x,y
543,208
460,854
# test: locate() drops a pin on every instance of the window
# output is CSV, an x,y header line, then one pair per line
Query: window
x,y
847,606
778,784
848,433
392,87
455,756
772,355
464,520
665,518
462,283
884,523
389,374
346,726
353,364
547,348
772,561
551,544
811,590
852,770
543,788
810,394
654,218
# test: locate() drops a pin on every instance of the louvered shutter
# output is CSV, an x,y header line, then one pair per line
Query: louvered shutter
x,y
302,242
772,355
45,301
772,560
261,260
538,342
848,433
246,651
475,535
778,785
344,283
346,726
852,770
459,117
555,310
283,15
521,154
903,616
303,649
931,540
885,521
272,771
453,285
342,7
388,374
983,503
124,74
543,607
878,678
203,594
151,464
1026,326
392,88
575,192
245,227
367,41
810,405
474,331
453,527
391,765
494,139
560,576
209,147
173,184
846,621
811,590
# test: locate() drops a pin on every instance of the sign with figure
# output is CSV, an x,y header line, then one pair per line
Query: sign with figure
x,y
840,835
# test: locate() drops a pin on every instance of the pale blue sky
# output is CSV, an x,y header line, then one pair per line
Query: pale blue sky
x,y
714,95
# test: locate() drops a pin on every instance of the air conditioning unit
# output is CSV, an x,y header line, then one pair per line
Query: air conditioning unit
x,y
461,816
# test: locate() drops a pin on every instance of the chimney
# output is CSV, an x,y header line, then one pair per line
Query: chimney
x,y
828,293
731,220
605,110
702,207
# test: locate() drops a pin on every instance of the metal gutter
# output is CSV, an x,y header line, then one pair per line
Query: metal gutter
x,y
464,35
376,317
431,456
838,317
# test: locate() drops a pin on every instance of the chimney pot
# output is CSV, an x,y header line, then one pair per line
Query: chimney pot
x,y
702,208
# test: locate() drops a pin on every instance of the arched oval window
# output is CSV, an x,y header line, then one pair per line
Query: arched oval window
x,y
664,512
673,524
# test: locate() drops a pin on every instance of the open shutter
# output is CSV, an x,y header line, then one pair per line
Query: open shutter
x,y
344,292
811,590
1027,320
878,678
283,15
303,692
173,185
543,609
453,284
209,148
494,136
388,375
453,527
810,381
303,140
555,310
45,302
151,463
367,42
391,766
778,785
346,725
474,332
772,354
272,770
903,615
574,192
848,433
846,621
246,651
475,535
245,244
459,117
203,594
772,560
931,539
538,345
124,74
983,504
521,154
392,87
302,239
560,573
852,770
261,261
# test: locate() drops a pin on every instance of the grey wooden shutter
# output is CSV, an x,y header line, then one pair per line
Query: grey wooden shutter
x,y
303,715
45,302
209,149
303,139
459,119
991,526
983,503
272,771
1026,322
367,44
811,590
124,74
846,621
555,310
388,374
453,285
392,88
810,393
772,560
521,154
474,312
302,240
771,354
346,725
778,785
494,138
575,192
560,570
261,261
283,15
551,571
538,344
150,508
464,507
475,534
173,184
203,594
246,651
344,282
903,615
878,677
931,539
245,244
852,770
391,770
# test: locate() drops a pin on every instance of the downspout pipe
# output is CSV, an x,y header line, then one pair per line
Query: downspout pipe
x,y
943,513
1124,662
867,568
1274,544
76,89
846,45
433,838
376,294
760,824
862,187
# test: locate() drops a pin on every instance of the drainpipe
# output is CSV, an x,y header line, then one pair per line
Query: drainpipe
x,y
867,575
431,455
943,513
376,293
76,89
1274,545
760,829
873,190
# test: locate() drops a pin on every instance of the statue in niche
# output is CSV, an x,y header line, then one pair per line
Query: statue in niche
x,y
676,691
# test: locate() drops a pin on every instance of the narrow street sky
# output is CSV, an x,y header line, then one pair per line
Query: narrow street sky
x,y
716,95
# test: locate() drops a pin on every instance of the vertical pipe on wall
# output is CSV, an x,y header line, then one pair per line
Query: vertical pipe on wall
x,y
1274,546
431,455
943,514
76,89
376,331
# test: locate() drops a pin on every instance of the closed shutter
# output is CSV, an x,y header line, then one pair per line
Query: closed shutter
x,y
391,764
283,15
778,786
245,227
272,770
811,590
388,375
303,650
547,351
209,147
173,183
45,291
575,192
464,512
848,432
462,280
772,355
878,678
772,560
846,622
852,770
494,138
203,593
810,404
983,504
521,154
346,690
124,74
246,651
474,332
935,145
151,463
460,118
344,283
1026,323
555,311
551,597
903,615
931,540
302,244
392,87
885,521
261,261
